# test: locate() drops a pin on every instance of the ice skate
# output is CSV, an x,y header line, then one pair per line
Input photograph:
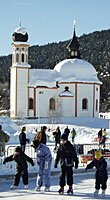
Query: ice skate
x,y
38,188
13,187
70,190
47,189
103,193
25,187
61,191
96,192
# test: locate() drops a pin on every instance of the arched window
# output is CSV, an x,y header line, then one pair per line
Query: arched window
x,y
31,105
84,104
22,57
17,57
52,104
96,104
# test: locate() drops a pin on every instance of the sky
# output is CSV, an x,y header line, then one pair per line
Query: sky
x,y
48,21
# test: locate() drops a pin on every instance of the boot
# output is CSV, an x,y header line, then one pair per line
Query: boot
x,y
38,188
13,187
61,190
103,193
70,190
96,192
26,187
47,189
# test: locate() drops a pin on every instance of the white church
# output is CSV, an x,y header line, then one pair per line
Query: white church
x,y
71,89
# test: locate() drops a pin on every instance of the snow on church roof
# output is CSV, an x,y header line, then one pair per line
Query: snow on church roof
x,y
76,70
69,70
43,77
21,30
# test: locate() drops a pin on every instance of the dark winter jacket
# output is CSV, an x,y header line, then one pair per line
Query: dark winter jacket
x,y
43,137
67,131
100,133
66,154
101,166
22,138
57,135
21,160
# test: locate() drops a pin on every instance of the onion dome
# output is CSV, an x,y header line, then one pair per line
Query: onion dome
x,y
20,35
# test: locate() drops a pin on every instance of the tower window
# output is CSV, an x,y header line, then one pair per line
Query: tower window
x,y
52,104
22,57
96,104
31,103
84,104
17,57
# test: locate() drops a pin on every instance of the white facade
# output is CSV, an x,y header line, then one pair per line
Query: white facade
x,y
71,89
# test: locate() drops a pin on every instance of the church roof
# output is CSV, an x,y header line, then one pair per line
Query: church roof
x,y
76,70
43,77
69,70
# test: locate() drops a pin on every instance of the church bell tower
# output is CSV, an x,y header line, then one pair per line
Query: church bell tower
x,y
19,74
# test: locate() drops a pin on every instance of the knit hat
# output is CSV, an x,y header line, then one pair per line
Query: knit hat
x,y
98,154
18,149
64,136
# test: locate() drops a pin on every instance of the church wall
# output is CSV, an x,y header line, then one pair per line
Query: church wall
x,y
42,101
67,103
85,91
22,92
13,93
97,96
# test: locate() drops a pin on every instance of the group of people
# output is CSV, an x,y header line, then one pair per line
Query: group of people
x,y
57,135
65,154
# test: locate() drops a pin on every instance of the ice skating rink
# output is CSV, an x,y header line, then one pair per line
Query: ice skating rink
x,y
83,189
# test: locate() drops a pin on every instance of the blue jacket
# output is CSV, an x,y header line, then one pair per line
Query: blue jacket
x,y
43,153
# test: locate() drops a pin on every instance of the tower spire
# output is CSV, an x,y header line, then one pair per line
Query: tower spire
x,y
20,23
73,46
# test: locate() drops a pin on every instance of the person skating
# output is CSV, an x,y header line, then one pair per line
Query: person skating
x,y
44,161
73,133
67,131
41,135
21,160
66,154
101,175
4,138
57,136
22,138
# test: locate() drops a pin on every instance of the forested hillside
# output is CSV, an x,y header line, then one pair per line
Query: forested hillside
x,y
94,47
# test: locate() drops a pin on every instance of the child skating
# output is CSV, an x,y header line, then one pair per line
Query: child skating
x,y
44,161
101,175
67,156
21,160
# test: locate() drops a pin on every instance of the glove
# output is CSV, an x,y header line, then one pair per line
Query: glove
x,y
28,140
4,162
33,164
46,165
76,165
55,166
